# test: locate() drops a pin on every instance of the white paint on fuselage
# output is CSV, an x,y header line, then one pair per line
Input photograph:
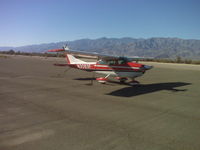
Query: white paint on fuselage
x,y
126,67
121,74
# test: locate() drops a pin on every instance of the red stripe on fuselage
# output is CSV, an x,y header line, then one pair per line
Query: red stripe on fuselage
x,y
116,69
99,67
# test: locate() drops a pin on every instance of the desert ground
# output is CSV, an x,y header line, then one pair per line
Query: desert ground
x,y
44,107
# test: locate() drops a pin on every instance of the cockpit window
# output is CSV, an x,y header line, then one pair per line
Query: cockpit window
x,y
102,62
121,62
112,62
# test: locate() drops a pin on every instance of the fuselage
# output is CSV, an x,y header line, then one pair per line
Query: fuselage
x,y
114,68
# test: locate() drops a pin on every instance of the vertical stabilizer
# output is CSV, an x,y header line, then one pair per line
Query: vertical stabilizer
x,y
72,60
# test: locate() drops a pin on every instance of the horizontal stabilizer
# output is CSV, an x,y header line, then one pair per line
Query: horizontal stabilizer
x,y
56,50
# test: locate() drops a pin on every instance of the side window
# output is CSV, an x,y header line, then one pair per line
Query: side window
x,y
102,62
120,62
111,62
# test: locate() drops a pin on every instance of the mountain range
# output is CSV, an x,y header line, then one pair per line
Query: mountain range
x,y
152,47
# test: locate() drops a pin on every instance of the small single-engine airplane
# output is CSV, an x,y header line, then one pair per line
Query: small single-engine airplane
x,y
122,68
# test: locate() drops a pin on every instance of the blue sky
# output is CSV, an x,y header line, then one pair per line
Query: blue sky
x,y
24,22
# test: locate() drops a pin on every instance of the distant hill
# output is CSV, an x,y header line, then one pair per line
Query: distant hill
x,y
152,47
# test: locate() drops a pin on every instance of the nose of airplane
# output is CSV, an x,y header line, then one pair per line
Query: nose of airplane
x,y
147,67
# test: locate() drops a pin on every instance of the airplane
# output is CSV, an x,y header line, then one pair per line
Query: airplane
x,y
122,68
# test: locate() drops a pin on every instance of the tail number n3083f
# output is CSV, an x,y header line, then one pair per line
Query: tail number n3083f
x,y
83,66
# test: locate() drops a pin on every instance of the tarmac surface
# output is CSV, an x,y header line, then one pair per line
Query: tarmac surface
x,y
44,108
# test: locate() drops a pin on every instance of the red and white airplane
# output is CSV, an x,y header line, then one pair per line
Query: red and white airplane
x,y
122,68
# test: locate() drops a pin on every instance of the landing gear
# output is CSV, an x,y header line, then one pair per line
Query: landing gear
x,y
121,79
103,80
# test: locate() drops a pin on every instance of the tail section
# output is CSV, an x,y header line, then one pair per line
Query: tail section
x,y
69,58
72,60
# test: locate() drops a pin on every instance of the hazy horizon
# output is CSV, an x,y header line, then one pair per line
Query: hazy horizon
x,y
95,39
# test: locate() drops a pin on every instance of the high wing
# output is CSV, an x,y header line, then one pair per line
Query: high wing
x,y
96,55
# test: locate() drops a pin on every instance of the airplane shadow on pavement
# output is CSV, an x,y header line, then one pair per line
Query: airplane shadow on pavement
x,y
149,88
135,90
